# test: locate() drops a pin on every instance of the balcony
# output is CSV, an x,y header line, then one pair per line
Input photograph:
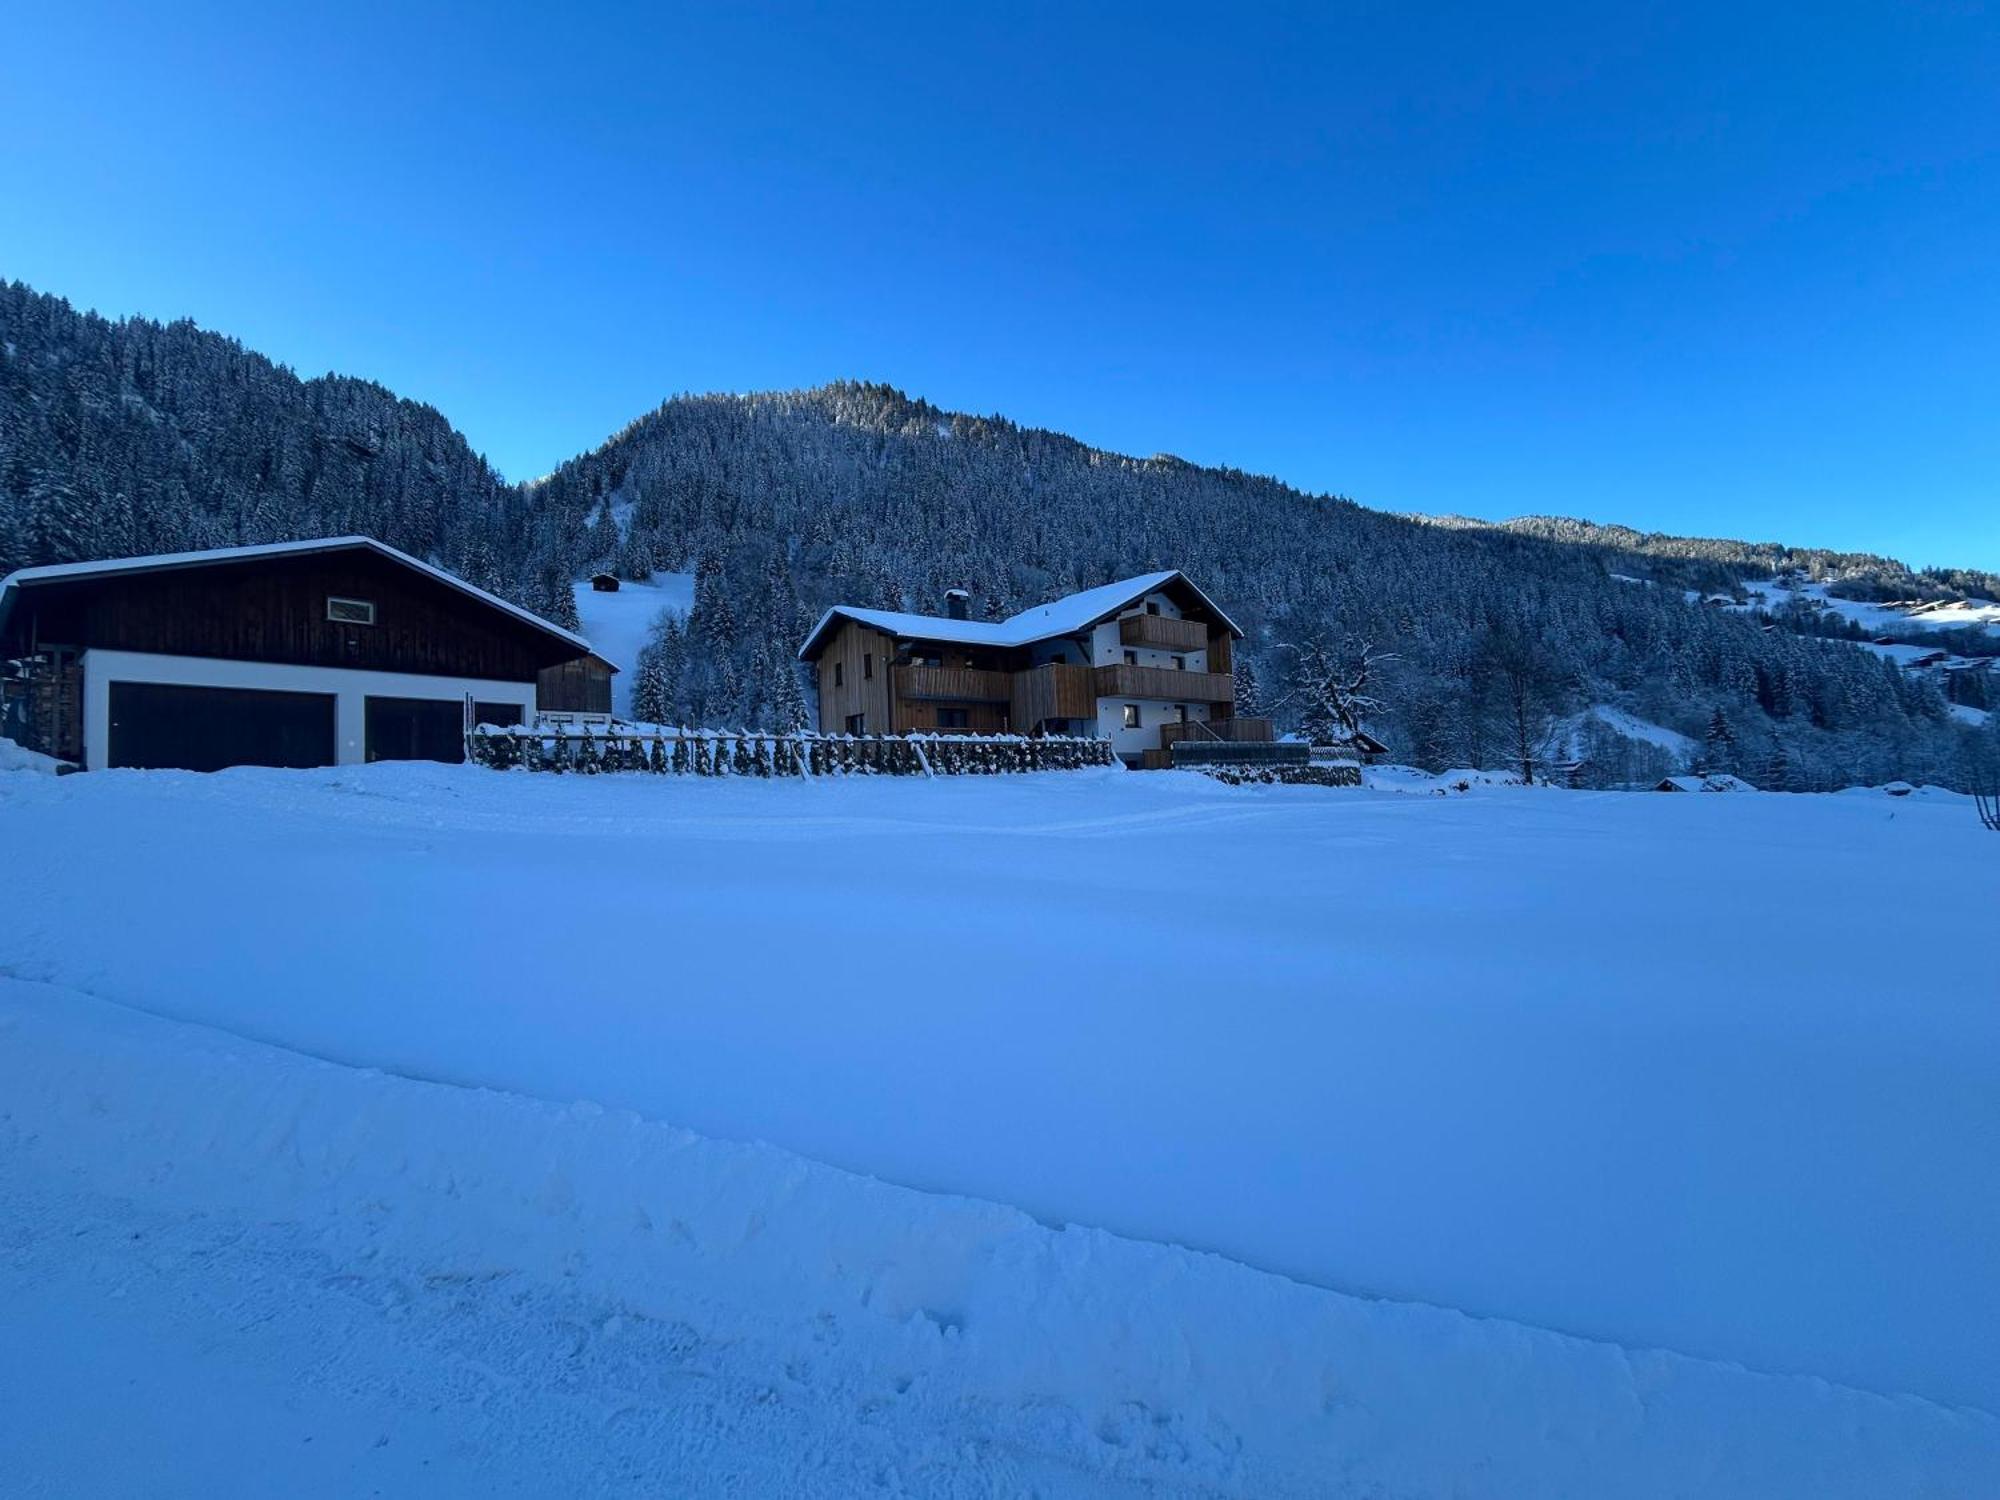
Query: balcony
x,y
1053,692
1161,633
1219,732
1163,682
953,685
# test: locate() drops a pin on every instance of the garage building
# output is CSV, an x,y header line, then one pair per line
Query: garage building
x,y
330,652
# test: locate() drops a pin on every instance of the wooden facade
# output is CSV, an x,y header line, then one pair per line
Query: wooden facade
x,y
1227,730
276,609
1163,633
854,681
579,686
1121,681
1059,672
313,653
1054,692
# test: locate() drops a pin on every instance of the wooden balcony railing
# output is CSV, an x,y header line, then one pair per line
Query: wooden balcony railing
x,y
1053,692
1163,682
1162,633
953,684
1219,732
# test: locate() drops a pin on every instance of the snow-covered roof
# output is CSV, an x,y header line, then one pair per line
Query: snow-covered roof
x,y
1064,616
161,561
1721,781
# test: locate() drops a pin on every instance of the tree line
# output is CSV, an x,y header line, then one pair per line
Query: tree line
x,y
134,436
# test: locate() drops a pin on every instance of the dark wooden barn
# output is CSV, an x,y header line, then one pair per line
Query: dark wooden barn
x,y
295,654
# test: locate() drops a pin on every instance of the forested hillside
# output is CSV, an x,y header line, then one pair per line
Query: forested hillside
x,y
136,436
856,493
1717,562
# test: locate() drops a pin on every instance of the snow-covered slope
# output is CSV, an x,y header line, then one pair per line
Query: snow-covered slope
x,y
1647,1069
616,625
1968,614
1635,728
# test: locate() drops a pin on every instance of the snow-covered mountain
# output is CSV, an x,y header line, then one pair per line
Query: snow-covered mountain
x,y
134,436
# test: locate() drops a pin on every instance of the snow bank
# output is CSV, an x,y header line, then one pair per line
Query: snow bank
x,y
1411,779
14,758
1652,1070
893,1309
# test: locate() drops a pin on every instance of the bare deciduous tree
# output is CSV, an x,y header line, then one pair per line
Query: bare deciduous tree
x,y
1329,687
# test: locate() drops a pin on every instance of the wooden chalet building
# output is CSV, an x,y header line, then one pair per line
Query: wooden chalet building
x,y
1142,662
312,653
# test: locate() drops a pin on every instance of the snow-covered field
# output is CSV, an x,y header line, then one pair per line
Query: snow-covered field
x,y
1612,1073
1967,614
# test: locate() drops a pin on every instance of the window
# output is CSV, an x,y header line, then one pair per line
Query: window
x,y
868,665
1131,658
857,723
350,611
1152,606
1181,710
839,674
1180,663
953,718
1132,716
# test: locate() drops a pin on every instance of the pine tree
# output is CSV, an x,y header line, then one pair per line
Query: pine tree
x,y
788,702
58,527
649,688
1249,699
1777,768
1719,745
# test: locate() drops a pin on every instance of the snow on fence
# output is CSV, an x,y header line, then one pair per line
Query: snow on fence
x,y
1988,804
701,752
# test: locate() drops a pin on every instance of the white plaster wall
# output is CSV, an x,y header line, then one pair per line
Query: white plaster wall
x,y
350,689
1152,714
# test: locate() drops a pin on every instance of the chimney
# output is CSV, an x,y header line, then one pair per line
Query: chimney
x,y
958,604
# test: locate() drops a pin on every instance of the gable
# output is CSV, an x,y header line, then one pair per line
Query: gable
x,y
1068,615
273,606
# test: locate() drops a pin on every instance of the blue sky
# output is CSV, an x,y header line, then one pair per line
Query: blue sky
x,y
1686,268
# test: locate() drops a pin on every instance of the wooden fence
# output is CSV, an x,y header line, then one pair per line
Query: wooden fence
x,y
698,752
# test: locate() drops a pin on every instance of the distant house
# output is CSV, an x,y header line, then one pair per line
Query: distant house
x,y
1142,662
1719,782
1366,748
314,653
604,583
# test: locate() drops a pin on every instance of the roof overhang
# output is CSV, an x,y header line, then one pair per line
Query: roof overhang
x,y
1043,622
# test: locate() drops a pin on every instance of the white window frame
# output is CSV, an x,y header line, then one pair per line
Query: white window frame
x,y
363,604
